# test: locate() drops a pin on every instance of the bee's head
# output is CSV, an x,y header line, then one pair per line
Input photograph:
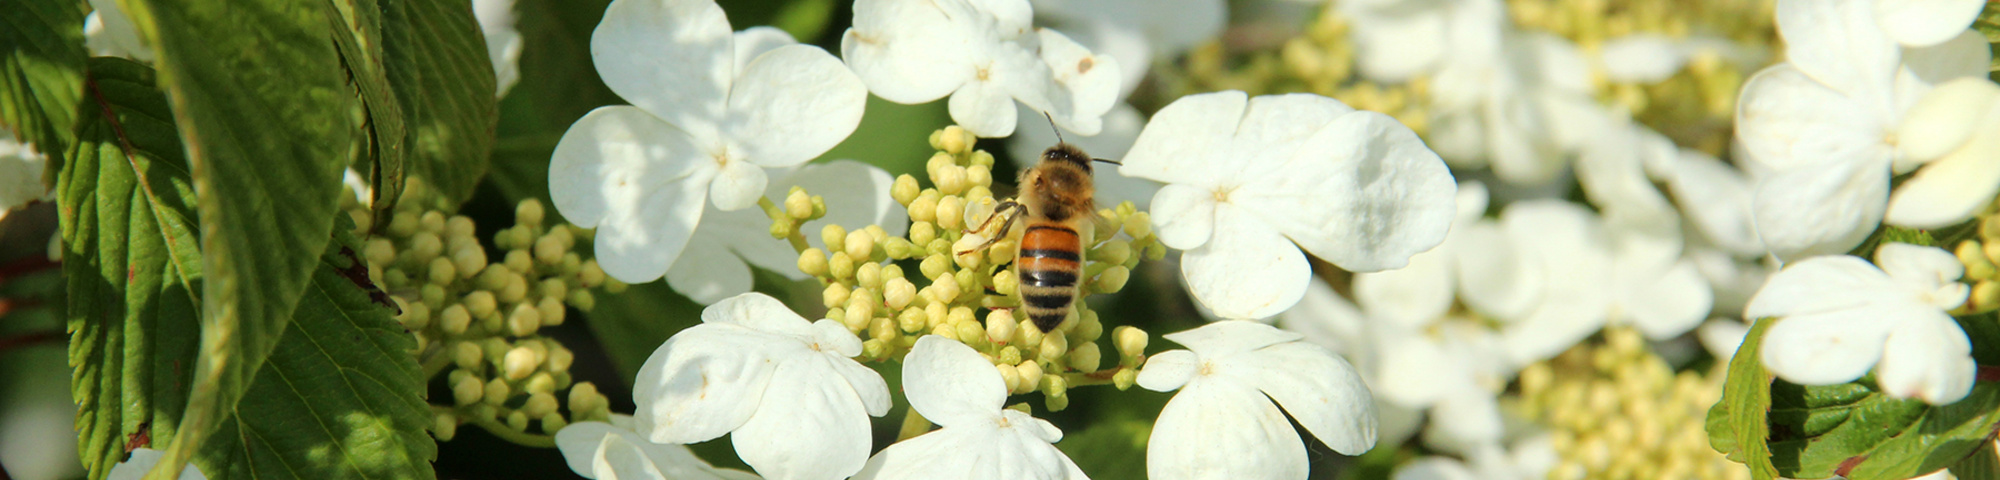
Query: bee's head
x,y
1064,152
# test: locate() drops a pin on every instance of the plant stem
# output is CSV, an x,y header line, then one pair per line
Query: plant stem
x,y
777,214
1100,377
501,430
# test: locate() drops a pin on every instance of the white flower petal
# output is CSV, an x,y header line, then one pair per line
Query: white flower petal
x,y
1274,128
1927,357
1246,270
1183,143
1721,337
1168,370
1716,199
708,273
1382,197
670,57
638,181
909,51
1411,296
1087,84
947,453
1225,338
1830,346
1821,284
1215,428
1944,119
1823,209
950,384
1416,370
832,339
809,425
619,459
1671,304
1955,187
706,381
1786,119
984,108
1641,57
1465,421
1319,389
1494,277
503,42
1923,270
754,41
737,186
1183,216
1925,22
761,313
1838,43
792,104
1435,468
1393,44
1965,55
1323,317
584,443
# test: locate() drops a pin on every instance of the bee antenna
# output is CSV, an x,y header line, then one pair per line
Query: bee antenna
x,y
1107,160
1052,126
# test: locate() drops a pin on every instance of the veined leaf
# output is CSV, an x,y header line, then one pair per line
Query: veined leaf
x,y
342,398
266,116
1737,425
132,261
357,34
436,59
41,70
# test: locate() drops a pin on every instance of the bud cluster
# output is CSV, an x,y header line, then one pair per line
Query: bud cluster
x,y
1980,255
1618,411
479,316
943,278
1321,60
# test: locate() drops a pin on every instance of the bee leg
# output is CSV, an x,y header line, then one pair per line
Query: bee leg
x,y
1004,228
1004,206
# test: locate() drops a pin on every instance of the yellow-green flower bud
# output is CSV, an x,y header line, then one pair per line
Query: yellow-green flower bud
x,y
517,421
1985,296
1005,283
1989,228
1003,251
467,390
935,266
1008,355
1055,387
835,238
403,224
1105,226
516,289
524,320
1028,335
560,359
951,179
493,277
1011,375
444,426
856,320
898,293
553,422
480,303
425,246
812,261
591,275
945,290
1125,378
415,316
971,333
582,396
528,212
859,245
441,271
582,300
549,250
539,404
496,392
1112,252
977,193
924,208
1085,358
395,278
840,266
1156,250
904,190
883,329
981,157
834,295
979,175
1031,376
519,261
468,262
1088,327
1052,348
912,320
1973,255
519,363
922,233
454,320
966,251
1139,225
955,140
459,226
798,204
945,330
937,313
951,213
781,229
897,248
1000,326
968,281
432,295
380,251
937,162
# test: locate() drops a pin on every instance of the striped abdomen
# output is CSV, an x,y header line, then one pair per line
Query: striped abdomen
x,y
1051,258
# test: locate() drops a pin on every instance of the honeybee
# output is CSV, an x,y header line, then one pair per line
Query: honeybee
x,y
1055,200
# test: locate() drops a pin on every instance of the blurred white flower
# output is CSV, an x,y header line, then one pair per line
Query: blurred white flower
x,y
1839,316
1721,337
1247,178
1652,57
1716,199
1820,128
109,32
1555,274
1420,292
710,111
1136,32
986,55
953,386
503,42
1326,319
1954,132
1228,380
613,451
717,261
142,460
794,401
1922,23
1527,459
1512,101
1396,40
21,169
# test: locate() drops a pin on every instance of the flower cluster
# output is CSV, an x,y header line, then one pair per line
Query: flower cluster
x,y
1616,410
481,319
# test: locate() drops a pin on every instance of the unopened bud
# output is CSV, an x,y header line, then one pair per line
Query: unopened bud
x,y
970,333
945,330
834,237
455,319
591,275
524,320
468,390
1088,327
1011,375
898,293
798,204
480,303
380,251
955,140
781,229
442,271
1973,255
905,189
951,180
1027,334
415,316
951,213
496,391
812,261
884,329
897,248
979,175
912,320
921,234
425,246
549,249
981,157
516,289
1139,225
1005,283
856,320
1985,296
1000,326
520,261
528,212
517,421
403,224
840,266
924,208
539,404
1008,354
468,262
966,251
466,355
834,295
1031,376
519,363
946,291
1055,387
444,426
582,396
874,349
859,245
1112,280
1113,252
1052,348
1125,378
553,422
1085,358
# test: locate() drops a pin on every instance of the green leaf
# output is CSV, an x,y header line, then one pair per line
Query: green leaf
x,y
267,118
1982,465
41,69
132,261
1736,425
1110,449
633,323
1988,24
358,36
342,398
1855,431
437,61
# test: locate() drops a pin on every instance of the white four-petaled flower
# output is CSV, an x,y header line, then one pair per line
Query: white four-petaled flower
x,y
984,54
710,110
795,402
952,385
1249,177
613,451
1838,316
1223,422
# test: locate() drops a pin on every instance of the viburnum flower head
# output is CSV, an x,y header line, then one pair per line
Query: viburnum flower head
x,y
953,386
1247,178
716,262
1223,423
1838,316
613,451
788,391
986,55
710,111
